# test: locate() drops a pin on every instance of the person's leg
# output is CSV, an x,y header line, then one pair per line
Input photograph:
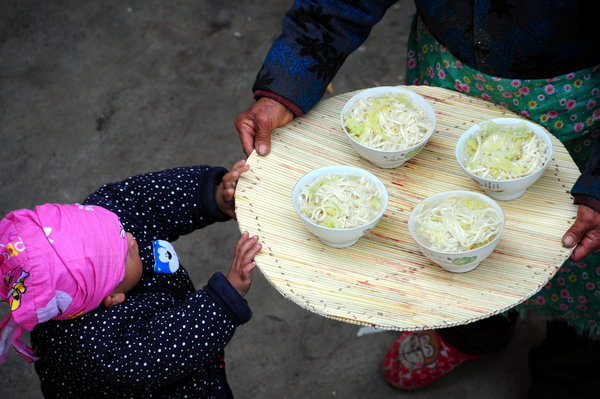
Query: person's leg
x,y
417,359
564,365
482,337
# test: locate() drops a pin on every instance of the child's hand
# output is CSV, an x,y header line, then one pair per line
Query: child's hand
x,y
226,190
240,272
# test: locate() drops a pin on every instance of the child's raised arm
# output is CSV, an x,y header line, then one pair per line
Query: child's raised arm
x,y
166,204
136,353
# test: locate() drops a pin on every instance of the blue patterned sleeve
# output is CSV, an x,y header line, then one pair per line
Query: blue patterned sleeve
x,y
166,204
586,190
316,39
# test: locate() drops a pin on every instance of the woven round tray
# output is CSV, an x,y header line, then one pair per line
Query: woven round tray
x,y
383,280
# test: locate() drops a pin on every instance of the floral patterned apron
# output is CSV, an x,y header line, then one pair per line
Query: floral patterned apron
x,y
566,105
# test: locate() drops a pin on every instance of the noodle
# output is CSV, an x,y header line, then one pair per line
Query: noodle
x,y
340,201
504,152
458,224
388,122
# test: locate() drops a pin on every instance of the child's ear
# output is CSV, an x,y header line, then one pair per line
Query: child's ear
x,y
113,299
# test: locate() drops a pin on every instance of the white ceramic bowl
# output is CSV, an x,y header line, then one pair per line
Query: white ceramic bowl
x,y
504,189
455,261
395,158
338,238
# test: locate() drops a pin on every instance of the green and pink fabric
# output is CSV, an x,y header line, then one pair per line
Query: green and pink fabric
x,y
566,105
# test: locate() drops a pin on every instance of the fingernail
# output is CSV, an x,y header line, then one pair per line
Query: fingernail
x,y
568,241
262,149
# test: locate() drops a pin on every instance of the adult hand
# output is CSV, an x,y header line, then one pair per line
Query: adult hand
x,y
225,193
585,233
255,124
240,272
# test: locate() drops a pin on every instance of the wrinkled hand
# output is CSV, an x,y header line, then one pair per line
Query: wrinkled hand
x,y
585,233
240,272
225,193
255,124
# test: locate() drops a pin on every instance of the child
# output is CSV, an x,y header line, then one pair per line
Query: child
x,y
157,338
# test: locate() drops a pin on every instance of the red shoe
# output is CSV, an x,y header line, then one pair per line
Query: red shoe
x,y
419,358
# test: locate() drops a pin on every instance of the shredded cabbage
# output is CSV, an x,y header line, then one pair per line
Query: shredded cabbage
x,y
388,122
457,224
340,201
504,152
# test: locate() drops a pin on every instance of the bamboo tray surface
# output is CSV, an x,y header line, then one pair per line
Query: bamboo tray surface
x,y
383,280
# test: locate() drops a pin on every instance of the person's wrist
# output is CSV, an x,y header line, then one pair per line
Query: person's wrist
x,y
270,98
221,206
219,196
280,108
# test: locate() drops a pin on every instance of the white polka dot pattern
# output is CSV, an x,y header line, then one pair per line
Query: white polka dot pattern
x,y
166,340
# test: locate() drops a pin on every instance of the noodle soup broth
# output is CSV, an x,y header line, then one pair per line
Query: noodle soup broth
x,y
504,156
457,229
388,125
339,204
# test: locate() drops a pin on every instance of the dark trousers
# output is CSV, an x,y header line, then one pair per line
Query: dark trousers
x,y
564,365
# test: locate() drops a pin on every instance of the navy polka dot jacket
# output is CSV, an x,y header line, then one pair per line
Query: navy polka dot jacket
x,y
166,340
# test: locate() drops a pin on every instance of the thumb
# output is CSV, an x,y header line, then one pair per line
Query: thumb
x,y
263,140
574,234
249,269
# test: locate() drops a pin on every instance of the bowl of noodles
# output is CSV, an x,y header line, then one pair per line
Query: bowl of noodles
x,y
388,125
339,204
457,229
504,156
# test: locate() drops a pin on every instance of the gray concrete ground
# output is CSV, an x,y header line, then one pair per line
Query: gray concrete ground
x,y
92,92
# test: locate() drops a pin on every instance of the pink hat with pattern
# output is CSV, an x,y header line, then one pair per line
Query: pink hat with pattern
x,y
57,262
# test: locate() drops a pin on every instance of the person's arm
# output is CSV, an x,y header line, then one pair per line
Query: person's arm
x,y
585,232
137,346
175,343
155,337
165,204
179,341
315,40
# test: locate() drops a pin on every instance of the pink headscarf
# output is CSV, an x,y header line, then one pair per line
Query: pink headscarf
x,y
57,262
